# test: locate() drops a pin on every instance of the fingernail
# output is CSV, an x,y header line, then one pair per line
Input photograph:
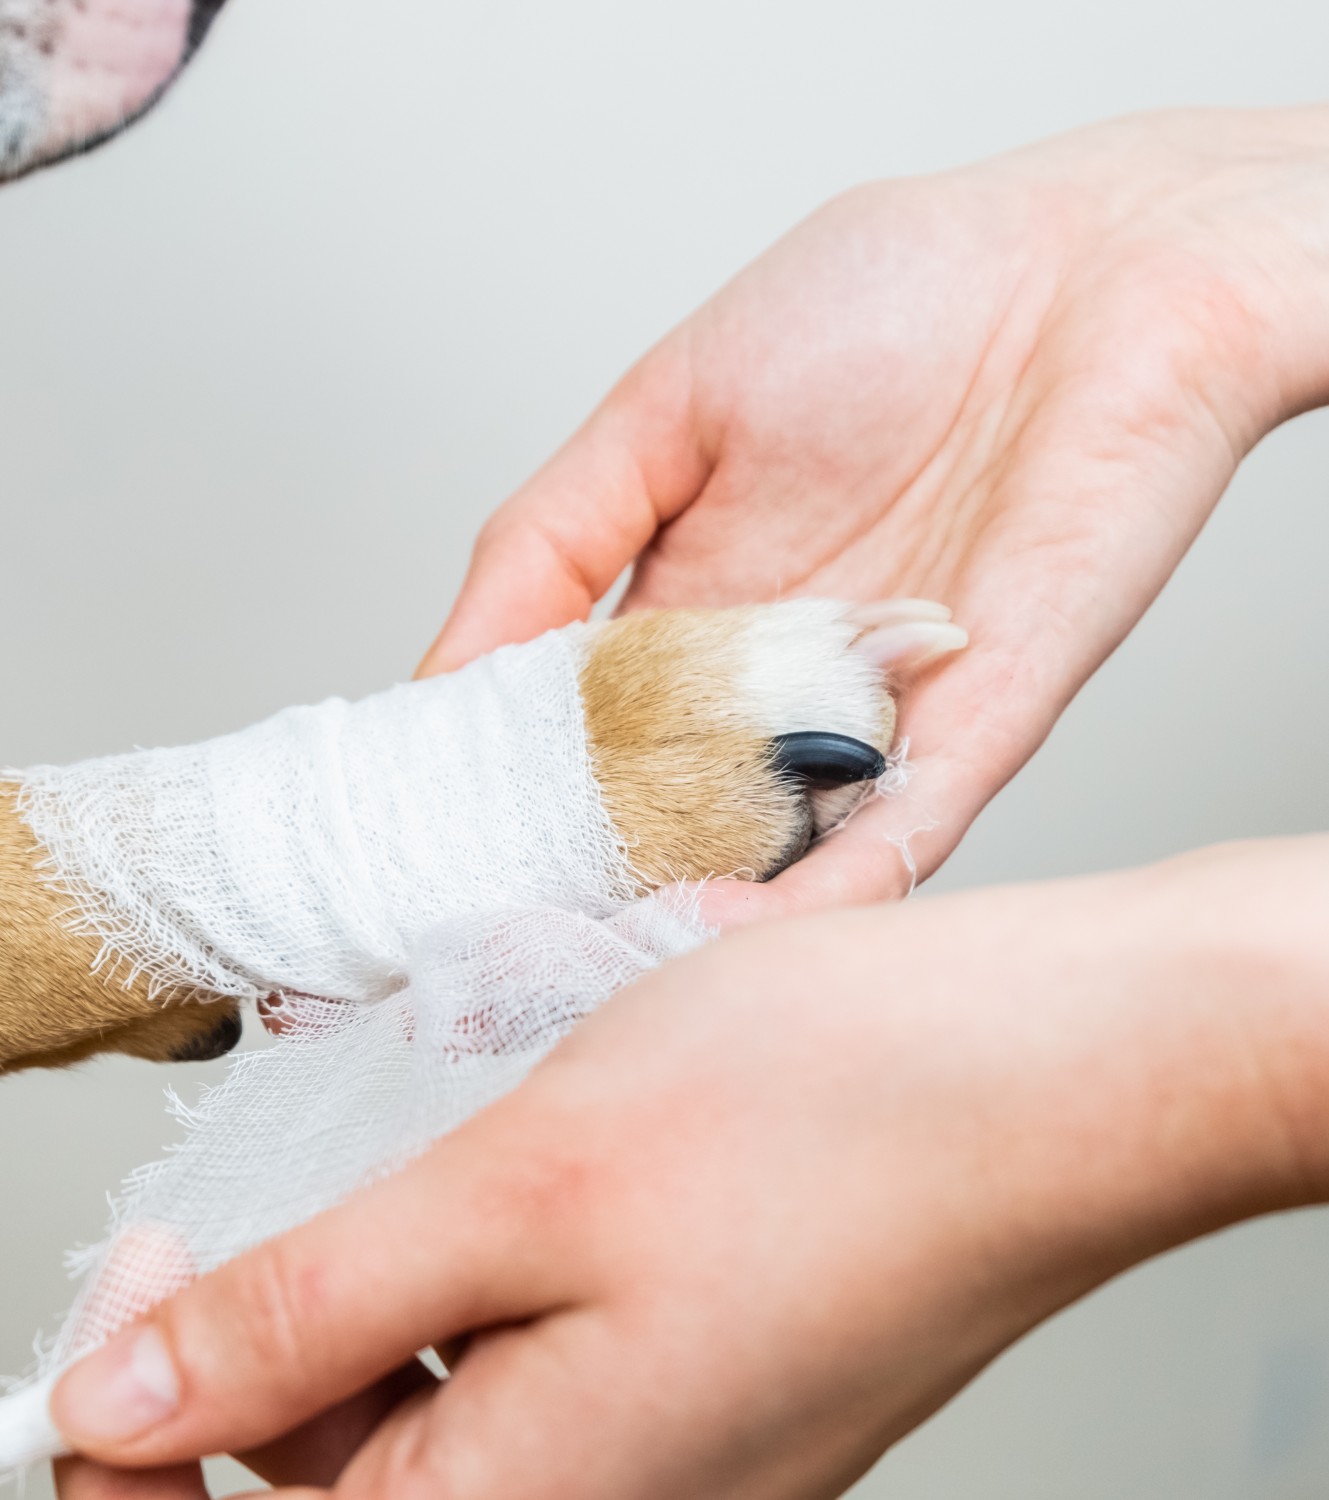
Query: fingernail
x,y
119,1392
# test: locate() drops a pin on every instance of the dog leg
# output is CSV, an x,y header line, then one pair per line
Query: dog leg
x,y
722,742
54,1009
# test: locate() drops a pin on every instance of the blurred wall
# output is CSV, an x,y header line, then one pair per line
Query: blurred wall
x,y
267,362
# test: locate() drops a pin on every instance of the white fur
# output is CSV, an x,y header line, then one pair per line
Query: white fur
x,y
23,81
801,672
818,664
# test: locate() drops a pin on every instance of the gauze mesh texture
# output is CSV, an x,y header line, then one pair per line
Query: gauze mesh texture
x,y
428,877
310,851
348,1094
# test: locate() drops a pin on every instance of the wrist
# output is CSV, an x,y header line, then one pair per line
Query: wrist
x,y
1271,204
1249,936
1153,1058
1221,218
1211,1092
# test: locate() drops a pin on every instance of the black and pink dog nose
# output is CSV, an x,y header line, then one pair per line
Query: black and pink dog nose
x,y
821,761
73,73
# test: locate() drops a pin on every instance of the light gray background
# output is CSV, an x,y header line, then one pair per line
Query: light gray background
x,y
266,363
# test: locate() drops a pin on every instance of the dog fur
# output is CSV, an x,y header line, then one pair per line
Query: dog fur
x,y
680,725
54,1009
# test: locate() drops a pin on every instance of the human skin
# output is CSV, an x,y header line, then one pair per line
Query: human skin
x,y
856,1156
1019,388
775,1205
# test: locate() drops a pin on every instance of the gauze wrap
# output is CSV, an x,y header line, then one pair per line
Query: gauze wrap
x,y
438,855
311,851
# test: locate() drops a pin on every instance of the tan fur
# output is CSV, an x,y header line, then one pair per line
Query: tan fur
x,y
53,1009
687,779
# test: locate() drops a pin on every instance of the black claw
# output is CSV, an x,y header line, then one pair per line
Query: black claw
x,y
212,1044
820,761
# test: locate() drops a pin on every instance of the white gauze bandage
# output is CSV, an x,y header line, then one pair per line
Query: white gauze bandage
x,y
310,851
438,856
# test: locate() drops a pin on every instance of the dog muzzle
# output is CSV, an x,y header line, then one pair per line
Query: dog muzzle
x,y
74,74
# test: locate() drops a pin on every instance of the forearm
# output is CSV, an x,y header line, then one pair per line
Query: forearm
x,y
1207,1100
1194,1091
1243,929
1278,182
1230,208
1158,1059
1200,238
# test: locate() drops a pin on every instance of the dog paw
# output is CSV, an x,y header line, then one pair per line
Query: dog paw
x,y
724,741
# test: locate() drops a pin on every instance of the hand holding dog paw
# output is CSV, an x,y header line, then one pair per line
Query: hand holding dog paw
x,y
1017,389
747,1264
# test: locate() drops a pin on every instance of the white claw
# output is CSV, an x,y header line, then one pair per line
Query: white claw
x,y
897,612
910,645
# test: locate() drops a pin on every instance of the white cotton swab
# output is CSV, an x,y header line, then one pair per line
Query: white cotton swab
x,y
27,1433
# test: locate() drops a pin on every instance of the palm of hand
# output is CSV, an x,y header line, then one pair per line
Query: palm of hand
x,y
1018,389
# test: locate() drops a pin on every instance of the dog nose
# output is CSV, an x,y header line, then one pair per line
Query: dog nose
x,y
73,76
201,15
215,1043
820,761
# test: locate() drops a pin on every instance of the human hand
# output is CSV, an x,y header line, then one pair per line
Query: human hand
x,y
1018,388
750,1262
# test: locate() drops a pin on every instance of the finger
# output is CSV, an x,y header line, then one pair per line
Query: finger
x,y
314,1453
587,1403
82,1479
528,1415
147,1261
558,544
318,1450
465,1237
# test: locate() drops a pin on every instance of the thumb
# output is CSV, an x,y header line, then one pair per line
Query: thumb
x,y
260,1346
546,555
